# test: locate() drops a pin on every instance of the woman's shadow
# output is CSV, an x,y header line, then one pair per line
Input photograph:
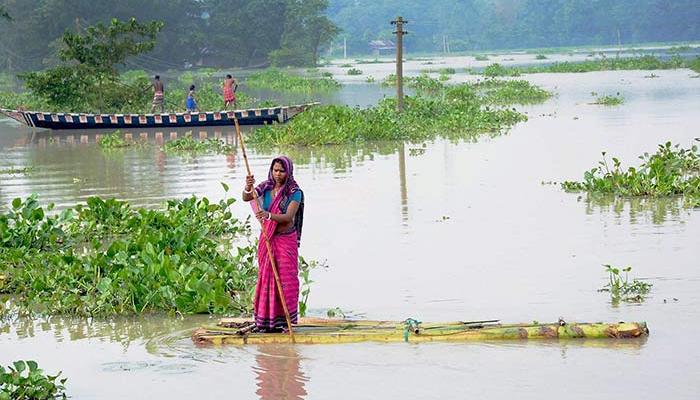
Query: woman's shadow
x,y
279,376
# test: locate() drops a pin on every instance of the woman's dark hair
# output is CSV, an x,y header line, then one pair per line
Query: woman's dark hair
x,y
228,76
191,87
157,76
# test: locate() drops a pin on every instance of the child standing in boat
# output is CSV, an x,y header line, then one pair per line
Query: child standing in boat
x,y
191,102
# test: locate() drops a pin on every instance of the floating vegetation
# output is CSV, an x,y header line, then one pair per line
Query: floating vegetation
x,y
503,92
354,71
113,141
602,64
651,76
481,57
671,171
345,65
105,257
621,289
24,380
17,171
454,112
540,57
496,70
188,145
370,79
327,74
277,79
447,71
608,100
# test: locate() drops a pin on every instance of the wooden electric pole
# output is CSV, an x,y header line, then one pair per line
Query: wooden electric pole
x,y
399,61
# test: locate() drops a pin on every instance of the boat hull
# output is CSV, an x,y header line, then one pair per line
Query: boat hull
x,y
347,331
255,116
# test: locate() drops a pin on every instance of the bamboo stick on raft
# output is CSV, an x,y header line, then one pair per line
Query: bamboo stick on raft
x,y
429,333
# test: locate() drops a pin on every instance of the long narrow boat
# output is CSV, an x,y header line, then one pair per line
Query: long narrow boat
x,y
317,331
252,116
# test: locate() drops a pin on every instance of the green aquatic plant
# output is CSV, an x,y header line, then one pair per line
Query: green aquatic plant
x,y
695,64
345,65
370,79
481,57
496,69
189,145
277,79
671,171
447,71
609,100
305,268
504,92
12,170
24,380
540,57
602,64
622,289
105,257
354,71
113,141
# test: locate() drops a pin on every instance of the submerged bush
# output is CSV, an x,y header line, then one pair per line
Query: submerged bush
x,y
671,171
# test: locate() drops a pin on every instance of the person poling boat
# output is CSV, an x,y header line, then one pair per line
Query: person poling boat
x,y
229,87
158,94
280,211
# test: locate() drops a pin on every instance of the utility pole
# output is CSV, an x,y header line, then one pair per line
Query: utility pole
x,y
399,61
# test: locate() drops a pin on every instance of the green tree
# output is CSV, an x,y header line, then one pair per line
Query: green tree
x,y
88,79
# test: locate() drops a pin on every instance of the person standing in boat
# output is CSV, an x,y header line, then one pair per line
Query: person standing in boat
x,y
158,94
281,212
230,85
191,102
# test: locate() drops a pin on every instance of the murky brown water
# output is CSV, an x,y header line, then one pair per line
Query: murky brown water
x,y
461,231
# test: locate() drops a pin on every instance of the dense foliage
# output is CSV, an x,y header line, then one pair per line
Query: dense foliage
x,y
196,32
671,171
501,24
105,257
88,78
455,112
24,380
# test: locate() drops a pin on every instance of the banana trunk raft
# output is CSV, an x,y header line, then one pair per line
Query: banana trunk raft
x,y
318,331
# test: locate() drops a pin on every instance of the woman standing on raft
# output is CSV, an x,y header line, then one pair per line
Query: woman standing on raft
x,y
281,214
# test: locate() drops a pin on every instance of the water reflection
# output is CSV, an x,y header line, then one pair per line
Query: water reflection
x,y
638,210
278,373
402,184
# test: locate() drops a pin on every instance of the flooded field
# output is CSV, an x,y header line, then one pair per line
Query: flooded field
x,y
441,231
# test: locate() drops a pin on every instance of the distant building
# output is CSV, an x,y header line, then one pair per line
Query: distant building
x,y
378,45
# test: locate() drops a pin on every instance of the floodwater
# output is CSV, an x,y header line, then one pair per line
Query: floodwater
x,y
444,231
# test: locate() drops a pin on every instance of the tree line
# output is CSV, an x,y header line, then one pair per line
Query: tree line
x,y
195,32
471,25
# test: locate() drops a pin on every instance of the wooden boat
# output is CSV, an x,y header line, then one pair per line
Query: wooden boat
x,y
253,116
317,331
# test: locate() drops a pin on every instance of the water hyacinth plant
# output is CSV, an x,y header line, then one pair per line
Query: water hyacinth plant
x,y
189,145
277,79
622,289
455,112
608,100
671,171
24,380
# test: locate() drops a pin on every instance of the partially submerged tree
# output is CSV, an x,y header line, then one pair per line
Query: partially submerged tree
x,y
88,79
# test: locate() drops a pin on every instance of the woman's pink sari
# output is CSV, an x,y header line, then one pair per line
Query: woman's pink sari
x,y
269,313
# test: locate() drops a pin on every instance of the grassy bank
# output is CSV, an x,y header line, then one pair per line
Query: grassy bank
x,y
671,171
455,112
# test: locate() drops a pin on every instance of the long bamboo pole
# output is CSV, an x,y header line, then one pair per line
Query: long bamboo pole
x,y
267,240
